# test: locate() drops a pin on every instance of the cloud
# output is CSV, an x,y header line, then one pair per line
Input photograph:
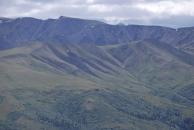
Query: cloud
x,y
157,12
169,7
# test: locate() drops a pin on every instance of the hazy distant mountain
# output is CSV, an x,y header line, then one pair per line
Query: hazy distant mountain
x,y
75,74
75,30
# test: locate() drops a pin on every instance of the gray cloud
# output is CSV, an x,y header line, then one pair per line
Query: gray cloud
x,y
174,13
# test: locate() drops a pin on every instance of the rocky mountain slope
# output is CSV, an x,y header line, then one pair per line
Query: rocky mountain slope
x,y
74,74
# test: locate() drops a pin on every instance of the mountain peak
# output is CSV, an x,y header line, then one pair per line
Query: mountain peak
x,y
79,19
66,17
4,19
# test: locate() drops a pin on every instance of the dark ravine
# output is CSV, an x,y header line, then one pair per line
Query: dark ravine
x,y
75,74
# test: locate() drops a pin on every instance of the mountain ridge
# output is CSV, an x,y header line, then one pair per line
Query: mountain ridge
x,y
72,74
65,29
76,18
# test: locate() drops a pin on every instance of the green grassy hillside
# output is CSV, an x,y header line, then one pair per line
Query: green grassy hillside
x,y
138,85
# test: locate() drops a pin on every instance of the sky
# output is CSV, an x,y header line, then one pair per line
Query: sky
x,y
171,13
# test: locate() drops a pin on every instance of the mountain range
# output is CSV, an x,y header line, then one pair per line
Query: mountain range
x,y
77,74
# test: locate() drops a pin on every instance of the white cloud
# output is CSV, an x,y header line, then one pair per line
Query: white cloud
x,y
158,12
169,7
100,8
90,1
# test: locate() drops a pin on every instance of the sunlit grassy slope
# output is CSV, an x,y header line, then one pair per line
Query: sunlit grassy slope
x,y
137,85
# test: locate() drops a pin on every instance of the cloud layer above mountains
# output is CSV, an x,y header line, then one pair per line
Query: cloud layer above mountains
x,y
173,13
